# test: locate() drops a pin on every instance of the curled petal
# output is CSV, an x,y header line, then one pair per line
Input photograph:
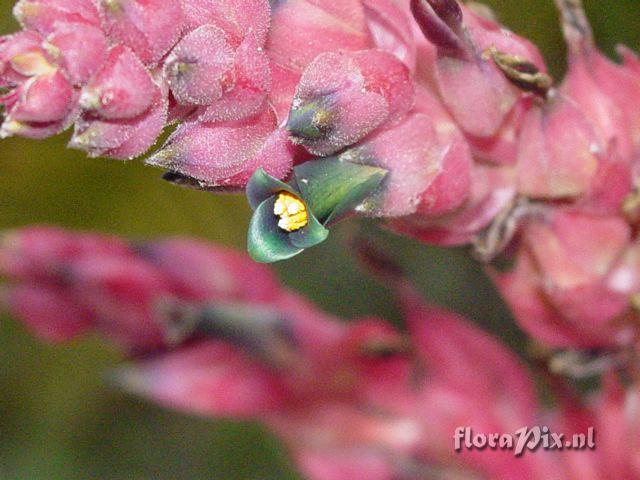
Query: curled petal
x,y
197,66
441,23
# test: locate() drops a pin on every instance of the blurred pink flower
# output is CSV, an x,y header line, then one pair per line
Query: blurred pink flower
x,y
115,287
350,400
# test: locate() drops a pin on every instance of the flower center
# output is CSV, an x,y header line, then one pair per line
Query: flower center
x,y
292,212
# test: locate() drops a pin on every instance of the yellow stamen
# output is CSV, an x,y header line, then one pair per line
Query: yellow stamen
x,y
292,212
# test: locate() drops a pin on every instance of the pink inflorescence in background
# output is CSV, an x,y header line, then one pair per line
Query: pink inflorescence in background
x,y
207,331
426,113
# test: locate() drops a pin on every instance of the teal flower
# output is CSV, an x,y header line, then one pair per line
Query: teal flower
x,y
291,217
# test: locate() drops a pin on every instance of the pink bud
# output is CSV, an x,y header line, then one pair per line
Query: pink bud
x,y
604,90
47,312
41,107
562,290
558,151
43,99
492,191
214,155
210,378
67,45
197,67
122,89
342,97
149,27
429,168
190,266
121,139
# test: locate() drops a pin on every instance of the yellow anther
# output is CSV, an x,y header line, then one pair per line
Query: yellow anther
x,y
292,212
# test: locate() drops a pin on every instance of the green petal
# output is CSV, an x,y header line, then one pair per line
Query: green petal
x,y
332,188
311,235
268,243
261,186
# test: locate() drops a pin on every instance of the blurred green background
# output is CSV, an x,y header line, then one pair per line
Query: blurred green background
x,y
58,419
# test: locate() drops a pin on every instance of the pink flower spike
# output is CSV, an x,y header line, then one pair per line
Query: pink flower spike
x,y
196,68
149,27
120,289
122,89
342,97
67,45
211,155
605,91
